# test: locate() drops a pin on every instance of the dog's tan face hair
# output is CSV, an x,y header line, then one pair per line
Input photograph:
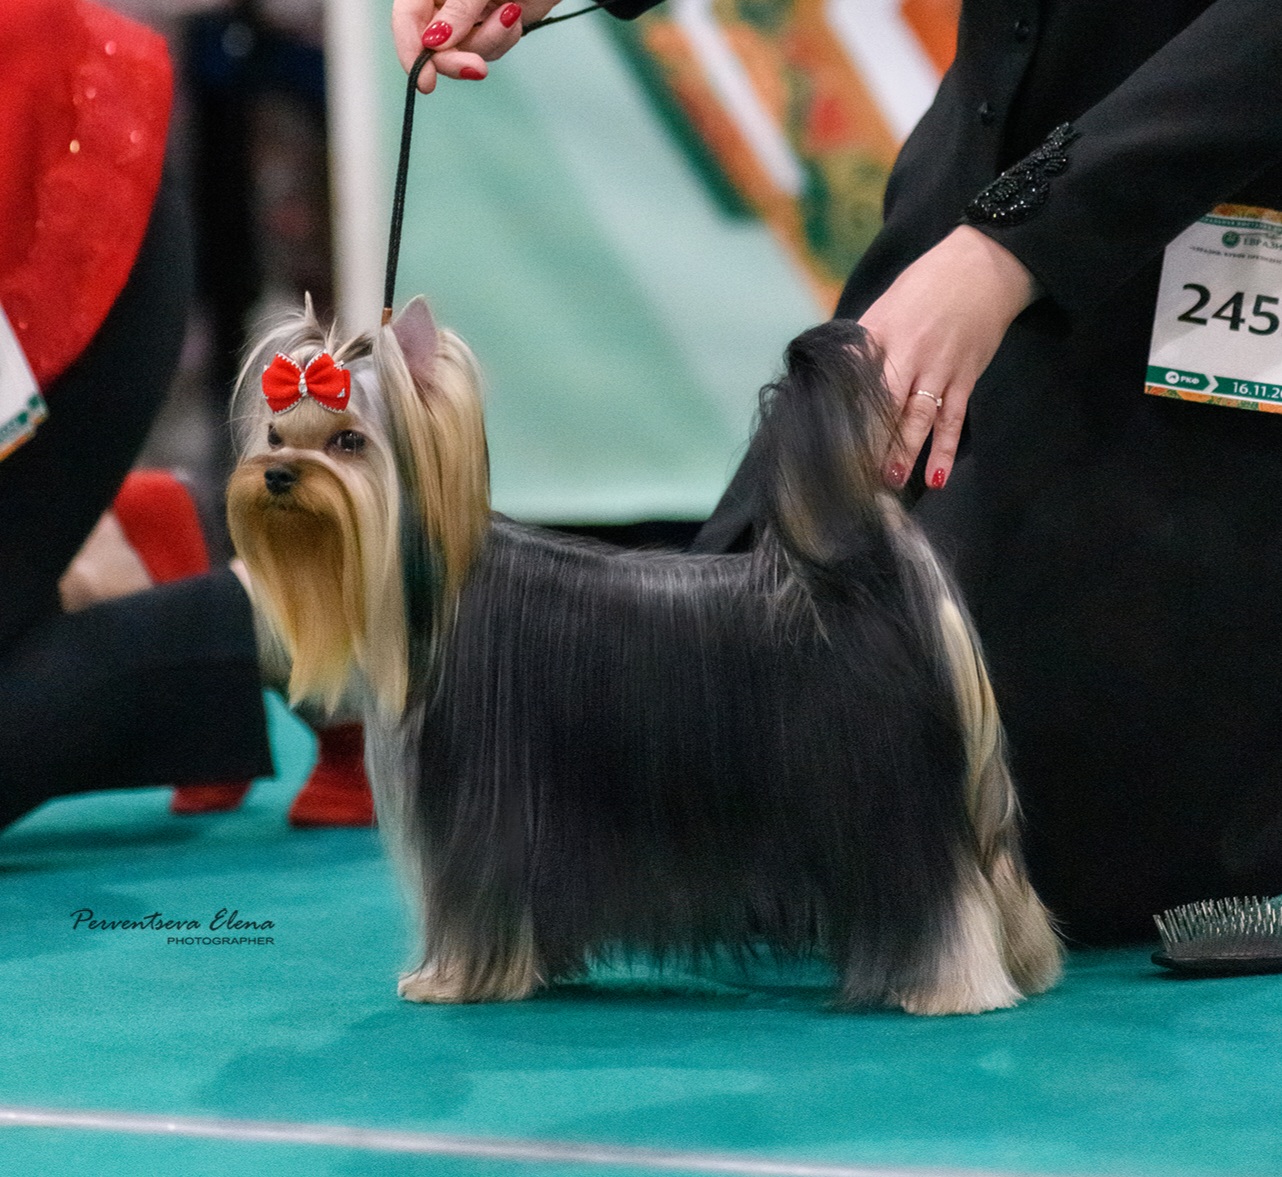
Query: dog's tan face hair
x,y
311,508
317,500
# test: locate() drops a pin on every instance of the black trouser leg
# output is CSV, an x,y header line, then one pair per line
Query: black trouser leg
x,y
145,690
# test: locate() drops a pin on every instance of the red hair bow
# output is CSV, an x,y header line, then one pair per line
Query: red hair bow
x,y
285,383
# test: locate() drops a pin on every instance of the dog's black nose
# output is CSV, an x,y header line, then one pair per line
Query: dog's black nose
x,y
280,479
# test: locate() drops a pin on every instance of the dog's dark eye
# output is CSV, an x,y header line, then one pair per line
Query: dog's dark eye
x,y
348,441
274,439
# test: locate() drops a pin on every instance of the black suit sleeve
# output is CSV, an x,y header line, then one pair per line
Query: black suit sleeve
x,y
1193,126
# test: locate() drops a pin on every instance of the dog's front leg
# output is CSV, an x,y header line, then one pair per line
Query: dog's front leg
x,y
471,964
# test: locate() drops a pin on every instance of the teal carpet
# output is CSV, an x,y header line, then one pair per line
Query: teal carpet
x,y
1119,1071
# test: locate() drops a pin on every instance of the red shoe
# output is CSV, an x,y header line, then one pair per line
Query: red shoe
x,y
190,799
337,793
159,519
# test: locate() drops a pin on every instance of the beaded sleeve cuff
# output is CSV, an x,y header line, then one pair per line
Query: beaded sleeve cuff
x,y
1021,190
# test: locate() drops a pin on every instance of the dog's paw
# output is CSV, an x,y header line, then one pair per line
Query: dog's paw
x,y
431,985
959,1000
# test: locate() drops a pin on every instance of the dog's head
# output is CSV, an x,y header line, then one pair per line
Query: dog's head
x,y
359,497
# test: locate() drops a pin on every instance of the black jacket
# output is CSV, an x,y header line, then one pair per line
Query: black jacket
x,y
1177,107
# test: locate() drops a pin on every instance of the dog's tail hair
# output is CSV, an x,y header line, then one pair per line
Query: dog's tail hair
x,y
822,431
821,444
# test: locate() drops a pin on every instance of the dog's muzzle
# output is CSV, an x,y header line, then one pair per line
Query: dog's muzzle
x,y
280,479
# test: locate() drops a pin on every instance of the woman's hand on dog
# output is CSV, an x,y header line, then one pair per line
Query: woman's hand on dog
x,y
466,34
940,325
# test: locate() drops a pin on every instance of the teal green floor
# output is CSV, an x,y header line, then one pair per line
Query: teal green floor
x,y
1118,1071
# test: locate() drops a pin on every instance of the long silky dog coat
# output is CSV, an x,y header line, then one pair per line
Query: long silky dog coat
x,y
577,750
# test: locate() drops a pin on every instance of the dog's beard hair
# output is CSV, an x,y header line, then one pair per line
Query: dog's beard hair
x,y
325,568
300,560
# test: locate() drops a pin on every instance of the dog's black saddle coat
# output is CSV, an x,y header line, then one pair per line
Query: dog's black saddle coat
x,y
675,753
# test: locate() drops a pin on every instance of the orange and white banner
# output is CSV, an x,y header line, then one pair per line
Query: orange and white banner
x,y
799,105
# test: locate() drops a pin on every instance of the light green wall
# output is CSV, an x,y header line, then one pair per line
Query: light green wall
x,y
625,323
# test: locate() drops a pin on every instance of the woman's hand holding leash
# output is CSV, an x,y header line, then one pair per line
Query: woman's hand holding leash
x,y
940,325
466,34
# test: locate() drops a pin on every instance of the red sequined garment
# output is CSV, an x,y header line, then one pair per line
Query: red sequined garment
x,y
84,107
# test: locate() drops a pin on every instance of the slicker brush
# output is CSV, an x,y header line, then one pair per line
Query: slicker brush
x,y
1222,937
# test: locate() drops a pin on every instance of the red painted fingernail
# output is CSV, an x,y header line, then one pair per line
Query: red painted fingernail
x,y
510,15
436,34
472,75
938,479
896,475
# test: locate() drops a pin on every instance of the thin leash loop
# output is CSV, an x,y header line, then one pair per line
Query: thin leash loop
x,y
556,20
403,161
402,178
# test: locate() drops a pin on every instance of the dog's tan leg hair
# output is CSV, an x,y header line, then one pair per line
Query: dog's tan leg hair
x,y
273,659
454,976
274,667
452,973
1029,945
1034,955
969,972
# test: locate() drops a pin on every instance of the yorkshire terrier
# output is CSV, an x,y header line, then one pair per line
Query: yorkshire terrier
x,y
578,750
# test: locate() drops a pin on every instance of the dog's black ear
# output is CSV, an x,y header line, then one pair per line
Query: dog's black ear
x,y
415,331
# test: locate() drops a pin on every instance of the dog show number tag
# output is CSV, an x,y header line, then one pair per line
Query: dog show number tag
x,y
21,406
1216,335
